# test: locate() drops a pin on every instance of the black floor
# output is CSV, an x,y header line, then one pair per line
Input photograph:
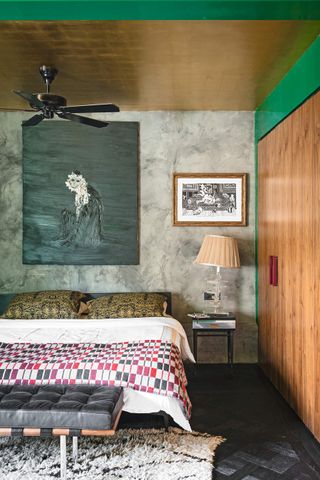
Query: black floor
x,y
265,440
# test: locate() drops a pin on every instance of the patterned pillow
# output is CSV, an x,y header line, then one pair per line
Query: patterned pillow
x,y
48,304
127,305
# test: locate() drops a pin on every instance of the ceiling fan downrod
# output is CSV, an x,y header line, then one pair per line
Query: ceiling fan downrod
x,y
48,74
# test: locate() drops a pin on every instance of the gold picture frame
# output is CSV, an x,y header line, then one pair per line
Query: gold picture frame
x,y
209,199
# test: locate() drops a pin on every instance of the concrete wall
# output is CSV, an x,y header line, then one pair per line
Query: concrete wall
x,y
169,142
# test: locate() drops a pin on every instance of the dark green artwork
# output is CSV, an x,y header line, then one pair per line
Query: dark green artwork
x,y
80,194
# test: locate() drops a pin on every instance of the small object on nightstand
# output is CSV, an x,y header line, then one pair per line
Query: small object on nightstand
x,y
220,325
210,316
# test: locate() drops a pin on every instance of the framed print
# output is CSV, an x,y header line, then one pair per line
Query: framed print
x,y
209,199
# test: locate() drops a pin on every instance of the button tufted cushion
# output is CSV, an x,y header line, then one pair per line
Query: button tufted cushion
x,y
59,406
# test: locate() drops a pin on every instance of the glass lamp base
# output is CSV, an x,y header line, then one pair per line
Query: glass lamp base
x,y
212,295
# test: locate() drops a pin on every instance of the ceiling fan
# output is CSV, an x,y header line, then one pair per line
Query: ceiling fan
x,y
50,105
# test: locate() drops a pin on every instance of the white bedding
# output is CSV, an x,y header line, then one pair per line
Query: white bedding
x,y
108,331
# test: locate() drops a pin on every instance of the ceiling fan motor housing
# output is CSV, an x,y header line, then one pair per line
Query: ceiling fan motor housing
x,y
51,100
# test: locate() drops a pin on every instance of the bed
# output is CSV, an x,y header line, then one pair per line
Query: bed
x,y
115,338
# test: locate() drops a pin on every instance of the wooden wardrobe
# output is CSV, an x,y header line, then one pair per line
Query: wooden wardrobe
x,y
289,229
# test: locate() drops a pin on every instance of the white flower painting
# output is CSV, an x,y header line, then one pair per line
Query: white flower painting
x,y
80,194
82,226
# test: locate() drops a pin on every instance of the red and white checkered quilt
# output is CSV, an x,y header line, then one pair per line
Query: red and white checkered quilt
x,y
149,366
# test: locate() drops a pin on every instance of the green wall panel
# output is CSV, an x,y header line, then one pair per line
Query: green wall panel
x,y
302,80
159,10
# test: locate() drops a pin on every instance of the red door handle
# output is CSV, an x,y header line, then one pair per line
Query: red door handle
x,y
273,270
270,270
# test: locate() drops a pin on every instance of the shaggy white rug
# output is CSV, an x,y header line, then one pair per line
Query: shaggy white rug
x,y
128,455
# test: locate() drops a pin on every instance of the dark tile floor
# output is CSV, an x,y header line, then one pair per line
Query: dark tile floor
x,y
265,440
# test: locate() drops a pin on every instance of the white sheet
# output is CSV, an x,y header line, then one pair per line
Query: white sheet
x,y
108,331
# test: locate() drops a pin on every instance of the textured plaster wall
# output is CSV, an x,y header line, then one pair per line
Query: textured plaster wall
x,y
169,142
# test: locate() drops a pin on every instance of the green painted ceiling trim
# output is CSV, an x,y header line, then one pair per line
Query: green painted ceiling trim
x,y
302,80
159,10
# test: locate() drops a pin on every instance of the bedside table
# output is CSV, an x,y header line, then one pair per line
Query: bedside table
x,y
211,325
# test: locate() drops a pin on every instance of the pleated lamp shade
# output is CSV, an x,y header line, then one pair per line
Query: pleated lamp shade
x,y
219,251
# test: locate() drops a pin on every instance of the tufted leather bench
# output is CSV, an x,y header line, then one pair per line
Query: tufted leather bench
x,y
62,410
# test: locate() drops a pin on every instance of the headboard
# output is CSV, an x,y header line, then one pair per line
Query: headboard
x,y
5,299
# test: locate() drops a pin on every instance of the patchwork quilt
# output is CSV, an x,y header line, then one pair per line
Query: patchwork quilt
x,y
151,366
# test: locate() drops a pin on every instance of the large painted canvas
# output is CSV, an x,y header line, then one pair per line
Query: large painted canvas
x,y
80,194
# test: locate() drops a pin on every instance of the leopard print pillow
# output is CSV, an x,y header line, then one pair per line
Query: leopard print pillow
x,y
47,304
127,305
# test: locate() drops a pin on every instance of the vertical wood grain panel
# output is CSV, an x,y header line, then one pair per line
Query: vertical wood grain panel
x,y
289,227
316,237
263,263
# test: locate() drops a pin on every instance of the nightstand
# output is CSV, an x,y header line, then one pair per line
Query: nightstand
x,y
211,325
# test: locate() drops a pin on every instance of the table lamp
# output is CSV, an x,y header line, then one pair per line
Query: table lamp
x,y
221,252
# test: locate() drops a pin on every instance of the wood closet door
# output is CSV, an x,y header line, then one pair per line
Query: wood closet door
x,y
288,227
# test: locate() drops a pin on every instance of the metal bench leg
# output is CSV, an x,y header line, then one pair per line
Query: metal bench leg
x,y
75,449
165,421
63,457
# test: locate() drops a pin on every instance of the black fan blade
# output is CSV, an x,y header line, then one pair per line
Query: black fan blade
x,y
94,108
32,99
3,109
85,120
33,121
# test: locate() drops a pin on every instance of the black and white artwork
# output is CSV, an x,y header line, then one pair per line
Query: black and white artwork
x,y
80,199
81,225
208,199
